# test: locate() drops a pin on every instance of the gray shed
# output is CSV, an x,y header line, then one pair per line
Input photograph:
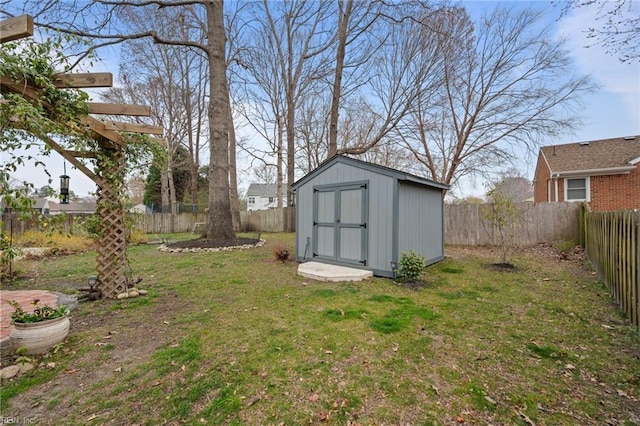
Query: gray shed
x,y
357,214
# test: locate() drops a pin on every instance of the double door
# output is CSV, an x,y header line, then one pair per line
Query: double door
x,y
340,228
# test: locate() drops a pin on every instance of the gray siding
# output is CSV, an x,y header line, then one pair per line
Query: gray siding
x,y
380,188
420,215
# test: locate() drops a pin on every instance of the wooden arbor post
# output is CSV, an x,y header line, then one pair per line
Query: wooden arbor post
x,y
110,156
112,245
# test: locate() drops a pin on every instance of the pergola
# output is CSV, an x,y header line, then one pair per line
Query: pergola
x,y
111,258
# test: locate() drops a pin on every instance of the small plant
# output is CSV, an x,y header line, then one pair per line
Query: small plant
x,y
40,313
564,248
8,252
504,217
281,252
411,266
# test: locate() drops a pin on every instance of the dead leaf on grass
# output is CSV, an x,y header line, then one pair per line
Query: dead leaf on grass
x,y
253,400
314,397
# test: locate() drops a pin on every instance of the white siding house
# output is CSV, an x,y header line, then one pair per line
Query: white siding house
x,y
261,196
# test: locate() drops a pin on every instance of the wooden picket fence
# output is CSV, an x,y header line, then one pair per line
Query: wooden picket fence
x,y
613,247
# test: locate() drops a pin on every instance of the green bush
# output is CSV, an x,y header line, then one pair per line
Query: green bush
x,y
411,266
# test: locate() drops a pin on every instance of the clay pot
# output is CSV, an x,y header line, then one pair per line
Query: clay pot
x,y
39,337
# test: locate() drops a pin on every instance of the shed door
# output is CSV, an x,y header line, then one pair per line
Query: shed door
x,y
340,230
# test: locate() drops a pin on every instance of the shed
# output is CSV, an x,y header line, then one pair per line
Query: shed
x,y
362,215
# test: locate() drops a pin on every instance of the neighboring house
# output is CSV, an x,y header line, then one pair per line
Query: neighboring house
x,y
74,207
40,205
139,208
358,214
603,173
262,196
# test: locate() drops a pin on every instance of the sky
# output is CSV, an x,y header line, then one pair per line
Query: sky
x,y
612,111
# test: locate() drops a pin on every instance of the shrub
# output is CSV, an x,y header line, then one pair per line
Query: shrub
x,y
281,252
62,243
411,266
137,238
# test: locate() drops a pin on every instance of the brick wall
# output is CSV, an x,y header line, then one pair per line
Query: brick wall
x,y
541,182
616,192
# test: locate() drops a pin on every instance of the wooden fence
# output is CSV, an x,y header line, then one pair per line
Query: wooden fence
x,y
274,220
464,224
165,223
613,247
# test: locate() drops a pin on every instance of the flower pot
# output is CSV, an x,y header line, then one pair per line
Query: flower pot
x,y
39,337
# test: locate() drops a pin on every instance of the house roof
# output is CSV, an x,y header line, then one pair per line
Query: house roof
x,y
74,206
38,203
397,174
262,190
598,157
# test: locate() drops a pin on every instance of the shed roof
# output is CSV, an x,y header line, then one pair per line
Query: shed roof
x,y
262,190
593,157
375,168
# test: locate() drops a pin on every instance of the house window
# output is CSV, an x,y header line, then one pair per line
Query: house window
x,y
271,199
576,189
252,200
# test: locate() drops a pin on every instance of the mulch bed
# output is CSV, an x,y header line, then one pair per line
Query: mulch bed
x,y
217,243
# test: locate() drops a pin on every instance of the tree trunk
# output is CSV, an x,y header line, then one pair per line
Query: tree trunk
x,y
343,23
219,224
164,189
172,200
233,175
290,146
279,163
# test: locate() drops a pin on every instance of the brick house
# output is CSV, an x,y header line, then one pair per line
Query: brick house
x,y
604,173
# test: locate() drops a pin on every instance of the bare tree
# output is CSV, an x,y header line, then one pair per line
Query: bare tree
x,y
294,31
503,89
617,28
403,69
354,30
514,186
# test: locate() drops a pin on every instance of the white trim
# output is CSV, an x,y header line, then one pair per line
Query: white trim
x,y
596,172
587,188
635,161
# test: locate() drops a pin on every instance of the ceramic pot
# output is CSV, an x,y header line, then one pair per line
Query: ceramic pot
x,y
39,337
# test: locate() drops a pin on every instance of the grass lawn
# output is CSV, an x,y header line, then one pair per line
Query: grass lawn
x,y
239,338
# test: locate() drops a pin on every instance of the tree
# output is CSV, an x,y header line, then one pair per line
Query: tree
x,y
45,191
514,187
504,218
619,29
295,44
505,86
95,19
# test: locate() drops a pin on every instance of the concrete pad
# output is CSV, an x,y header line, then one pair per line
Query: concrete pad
x,y
325,272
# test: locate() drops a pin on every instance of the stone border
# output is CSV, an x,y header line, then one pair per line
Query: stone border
x,y
163,248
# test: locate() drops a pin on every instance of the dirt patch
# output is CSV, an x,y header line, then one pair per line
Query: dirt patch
x,y
115,347
504,267
412,284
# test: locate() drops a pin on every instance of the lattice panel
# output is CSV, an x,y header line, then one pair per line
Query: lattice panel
x,y
111,261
